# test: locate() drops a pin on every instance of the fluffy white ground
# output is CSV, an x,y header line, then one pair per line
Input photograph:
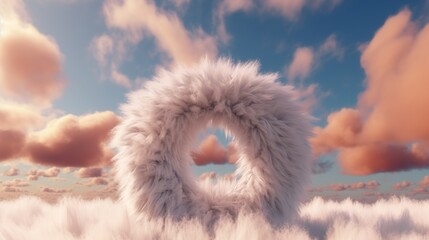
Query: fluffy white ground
x,y
73,218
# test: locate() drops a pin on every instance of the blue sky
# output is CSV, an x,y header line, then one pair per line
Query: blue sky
x,y
257,31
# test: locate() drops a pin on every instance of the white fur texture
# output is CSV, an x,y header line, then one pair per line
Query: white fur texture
x,y
30,218
161,121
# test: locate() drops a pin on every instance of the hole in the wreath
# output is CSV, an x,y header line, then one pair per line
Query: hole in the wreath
x,y
214,153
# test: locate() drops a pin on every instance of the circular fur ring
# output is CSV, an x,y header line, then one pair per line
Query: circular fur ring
x,y
161,121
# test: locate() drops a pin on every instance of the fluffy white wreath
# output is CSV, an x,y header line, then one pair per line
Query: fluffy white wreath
x,y
161,121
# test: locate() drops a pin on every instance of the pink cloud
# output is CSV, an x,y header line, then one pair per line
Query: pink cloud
x,y
96,181
15,183
30,62
11,172
338,187
32,177
50,172
180,3
288,8
374,158
331,47
354,186
15,119
102,48
379,135
211,151
72,141
53,190
89,172
14,116
225,8
99,181
425,182
110,51
13,189
181,45
419,190
120,78
302,63
68,170
341,131
401,185
11,144
34,174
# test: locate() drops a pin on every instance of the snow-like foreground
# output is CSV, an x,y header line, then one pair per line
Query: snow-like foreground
x,y
72,218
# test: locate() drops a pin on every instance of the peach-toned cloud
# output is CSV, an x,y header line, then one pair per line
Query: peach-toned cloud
x,y
226,7
181,45
341,131
15,116
13,189
102,47
15,183
68,170
288,8
180,3
53,190
291,9
388,130
34,174
95,181
120,78
302,63
419,190
72,141
32,177
401,185
14,120
331,47
354,186
30,62
425,182
13,11
373,158
338,187
394,62
89,172
11,144
110,51
211,151
13,171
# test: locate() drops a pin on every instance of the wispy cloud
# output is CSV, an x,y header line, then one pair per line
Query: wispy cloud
x,y
302,63
288,9
172,37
